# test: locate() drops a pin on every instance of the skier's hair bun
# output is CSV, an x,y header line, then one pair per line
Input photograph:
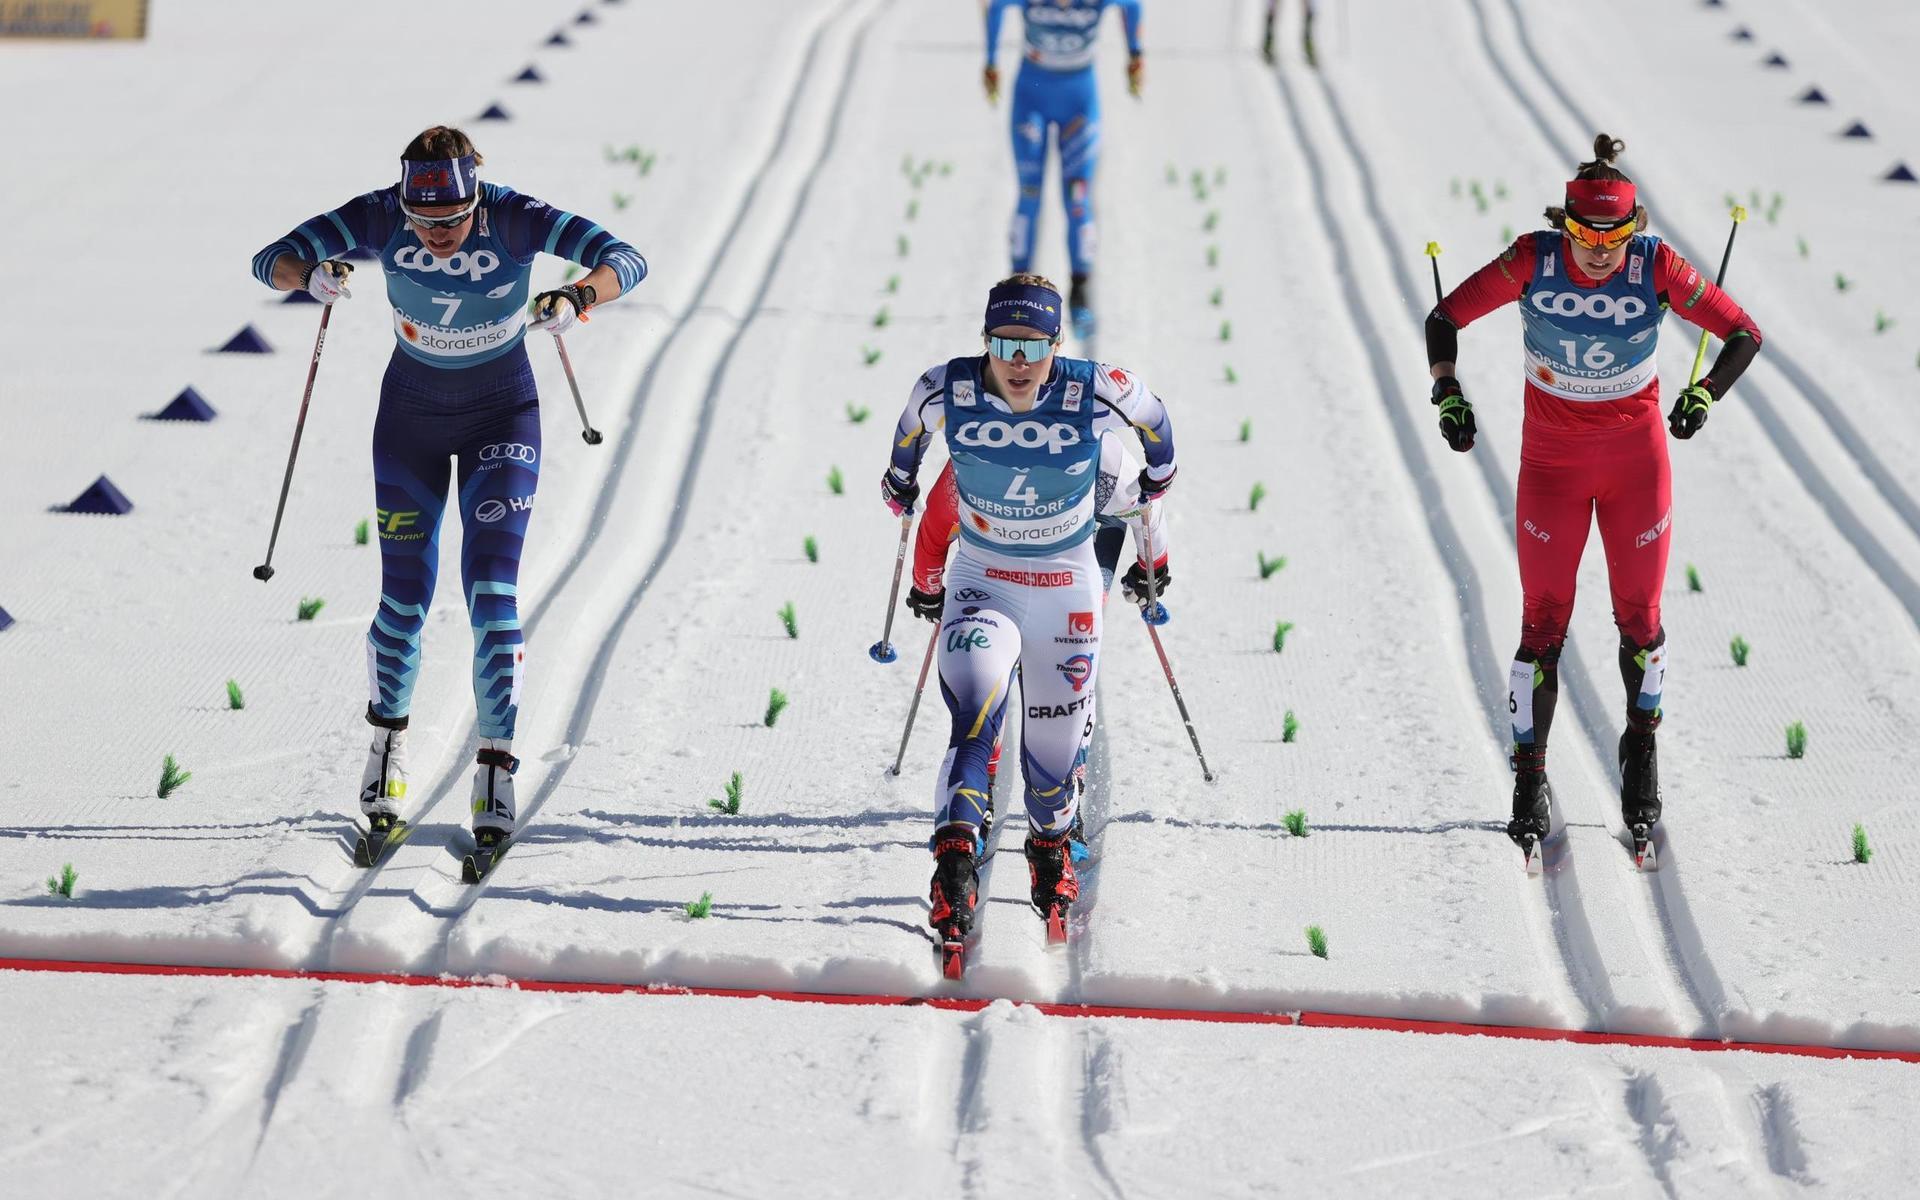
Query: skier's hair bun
x,y
441,141
1606,148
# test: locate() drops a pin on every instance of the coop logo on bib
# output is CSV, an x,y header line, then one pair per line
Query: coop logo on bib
x,y
1598,305
475,266
1027,435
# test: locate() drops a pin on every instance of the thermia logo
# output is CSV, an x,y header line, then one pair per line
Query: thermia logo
x,y
1599,306
475,266
1028,435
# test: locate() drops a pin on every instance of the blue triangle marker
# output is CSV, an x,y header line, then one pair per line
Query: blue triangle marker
x,y
495,113
247,341
6,618
1857,130
1715,3
1776,59
1743,34
530,75
1901,173
103,498
1813,95
298,296
189,405
586,17
558,39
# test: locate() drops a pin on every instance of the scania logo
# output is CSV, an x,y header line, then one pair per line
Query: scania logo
x,y
475,266
1028,435
1597,305
508,452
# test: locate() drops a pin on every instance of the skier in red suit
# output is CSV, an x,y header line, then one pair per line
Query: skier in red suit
x,y
1592,291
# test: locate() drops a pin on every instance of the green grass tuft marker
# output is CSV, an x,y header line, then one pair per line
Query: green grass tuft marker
x,y
360,534
310,607
1226,331
790,620
1739,648
1255,496
235,700
1270,565
857,413
870,354
1231,376
62,884
171,777
731,805
1296,822
698,909
1289,728
1219,295
1797,740
1693,579
1317,941
776,704
1246,430
812,548
836,482
1280,631
882,318
1862,853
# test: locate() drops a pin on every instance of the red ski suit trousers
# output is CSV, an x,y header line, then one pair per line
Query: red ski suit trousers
x,y
1570,476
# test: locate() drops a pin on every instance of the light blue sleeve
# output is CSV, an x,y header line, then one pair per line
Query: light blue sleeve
x,y
1130,14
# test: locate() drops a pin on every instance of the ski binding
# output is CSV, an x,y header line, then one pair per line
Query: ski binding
x,y
1644,856
372,844
490,846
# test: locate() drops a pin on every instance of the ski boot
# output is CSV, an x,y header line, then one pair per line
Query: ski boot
x,y
1640,784
1055,886
1080,309
954,893
1532,803
383,788
493,811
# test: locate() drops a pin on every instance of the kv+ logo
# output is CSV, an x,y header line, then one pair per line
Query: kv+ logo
x,y
1599,306
475,266
508,452
1028,435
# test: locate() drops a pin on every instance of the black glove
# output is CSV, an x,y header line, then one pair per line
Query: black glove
x,y
898,495
1150,490
1133,585
926,605
1456,415
1690,409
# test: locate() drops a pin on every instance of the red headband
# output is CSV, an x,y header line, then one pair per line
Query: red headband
x,y
1603,201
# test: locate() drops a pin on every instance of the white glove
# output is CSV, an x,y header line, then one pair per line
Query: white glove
x,y
555,311
327,281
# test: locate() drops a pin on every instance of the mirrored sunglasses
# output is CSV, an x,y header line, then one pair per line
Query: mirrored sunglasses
x,y
446,222
1004,348
1600,239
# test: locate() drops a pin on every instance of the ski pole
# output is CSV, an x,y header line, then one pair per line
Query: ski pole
x,y
1433,257
882,651
264,571
588,432
915,706
1146,541
1700,355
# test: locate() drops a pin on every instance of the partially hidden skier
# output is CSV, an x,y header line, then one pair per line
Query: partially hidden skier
x,y
939,529
1022,427
1056,95
1592,291
457,253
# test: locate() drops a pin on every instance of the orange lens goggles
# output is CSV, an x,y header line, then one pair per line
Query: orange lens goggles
x,y
1600,239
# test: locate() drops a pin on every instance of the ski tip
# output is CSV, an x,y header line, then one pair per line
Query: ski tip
x,y
1057,925
1531,853
362,855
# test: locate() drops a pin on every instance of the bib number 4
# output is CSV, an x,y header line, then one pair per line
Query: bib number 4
x,y
1024,495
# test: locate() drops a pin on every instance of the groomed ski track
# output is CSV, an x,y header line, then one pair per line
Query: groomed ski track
x,y
652,639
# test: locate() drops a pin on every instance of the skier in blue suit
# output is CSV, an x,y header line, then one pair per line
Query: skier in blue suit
x,y
1055,94
457,254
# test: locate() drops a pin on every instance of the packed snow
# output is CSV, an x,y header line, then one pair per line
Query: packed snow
x,y
816,163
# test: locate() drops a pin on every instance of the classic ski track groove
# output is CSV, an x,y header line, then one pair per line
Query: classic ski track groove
x,y
322,954
1572,934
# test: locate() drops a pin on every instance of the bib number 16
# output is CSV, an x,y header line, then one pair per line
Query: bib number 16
x,y
1597,357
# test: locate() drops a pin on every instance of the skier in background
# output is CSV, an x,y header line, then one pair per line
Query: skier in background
x,y
1022,428
940,528
1306,34
457,254
1592,291
1056,93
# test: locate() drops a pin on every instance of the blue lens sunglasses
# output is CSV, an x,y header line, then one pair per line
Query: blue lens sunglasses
x,y
1004,348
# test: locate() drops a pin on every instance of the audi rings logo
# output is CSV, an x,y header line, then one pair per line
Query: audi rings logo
x,y
509,452
489,511
1599,306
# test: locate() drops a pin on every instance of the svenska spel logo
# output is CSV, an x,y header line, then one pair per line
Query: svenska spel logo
x,y
1080,623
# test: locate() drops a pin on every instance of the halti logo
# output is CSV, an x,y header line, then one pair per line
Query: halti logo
x,y
475,266
1028,435
1599,306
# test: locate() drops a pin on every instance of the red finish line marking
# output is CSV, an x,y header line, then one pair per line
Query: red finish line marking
x,y
1316,1020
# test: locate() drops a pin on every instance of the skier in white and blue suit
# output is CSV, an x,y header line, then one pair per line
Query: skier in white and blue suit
x,y
1056,93
457,254
1024,591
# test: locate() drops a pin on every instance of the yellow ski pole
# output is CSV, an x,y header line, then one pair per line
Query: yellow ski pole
x,y
1700,355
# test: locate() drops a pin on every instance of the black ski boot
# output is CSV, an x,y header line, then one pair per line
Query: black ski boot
x,y
1055,886
955,892
1532,803
1640,783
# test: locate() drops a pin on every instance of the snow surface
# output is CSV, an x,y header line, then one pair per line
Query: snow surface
x,y
658,562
